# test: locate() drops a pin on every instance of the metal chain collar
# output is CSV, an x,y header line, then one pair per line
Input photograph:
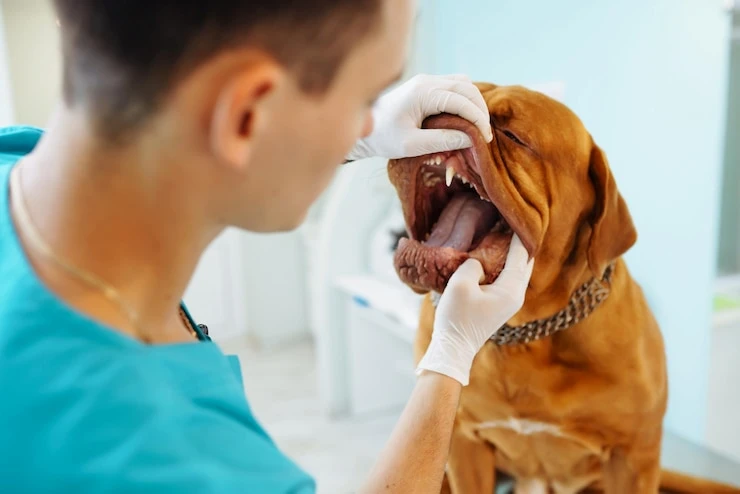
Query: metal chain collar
x,y
582,303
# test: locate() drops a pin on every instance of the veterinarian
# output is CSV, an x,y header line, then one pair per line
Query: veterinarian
x,y
178,120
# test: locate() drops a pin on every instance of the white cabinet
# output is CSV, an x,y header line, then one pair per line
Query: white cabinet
x,y
380,360
252,284
216,295
274,270
380,320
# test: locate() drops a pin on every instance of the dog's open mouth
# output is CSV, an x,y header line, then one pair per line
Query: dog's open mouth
x,y
452,220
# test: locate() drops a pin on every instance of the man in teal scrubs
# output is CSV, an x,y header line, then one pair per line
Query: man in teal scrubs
x,y
180,119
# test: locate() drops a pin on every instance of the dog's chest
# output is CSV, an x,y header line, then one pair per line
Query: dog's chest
x,y
535,449
521,426
512,404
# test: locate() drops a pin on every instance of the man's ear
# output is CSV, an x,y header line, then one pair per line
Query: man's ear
x,y
612,231
236,108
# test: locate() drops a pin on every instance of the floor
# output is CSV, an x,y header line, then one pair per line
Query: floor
x,y
282,390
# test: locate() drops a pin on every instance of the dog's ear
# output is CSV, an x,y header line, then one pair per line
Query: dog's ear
x,y
612,229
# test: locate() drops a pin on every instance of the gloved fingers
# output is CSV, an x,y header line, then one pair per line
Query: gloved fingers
x,y
461,84
361,151
517,270
428,141
469,274
465,101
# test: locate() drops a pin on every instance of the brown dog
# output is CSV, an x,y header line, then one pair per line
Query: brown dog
x,y
571,394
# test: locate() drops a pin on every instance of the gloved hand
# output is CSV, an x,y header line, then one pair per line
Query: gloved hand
x,y
398,116
469,314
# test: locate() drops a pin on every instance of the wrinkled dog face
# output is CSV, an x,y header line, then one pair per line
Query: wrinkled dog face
x,y
541,177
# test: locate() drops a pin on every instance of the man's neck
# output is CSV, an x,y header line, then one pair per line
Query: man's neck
x,y
127,215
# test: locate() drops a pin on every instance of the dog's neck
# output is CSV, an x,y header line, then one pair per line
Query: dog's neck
x,y
582,303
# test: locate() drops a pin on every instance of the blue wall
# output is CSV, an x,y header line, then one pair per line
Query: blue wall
x,y
648,78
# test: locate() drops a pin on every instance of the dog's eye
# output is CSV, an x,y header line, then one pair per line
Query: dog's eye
x,y
513,137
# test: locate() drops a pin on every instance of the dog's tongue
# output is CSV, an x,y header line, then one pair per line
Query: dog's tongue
x,y
464,219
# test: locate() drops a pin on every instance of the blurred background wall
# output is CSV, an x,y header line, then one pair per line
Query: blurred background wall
x,y
35,67
6,96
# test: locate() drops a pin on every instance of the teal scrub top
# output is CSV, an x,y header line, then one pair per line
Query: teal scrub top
x,y
86,409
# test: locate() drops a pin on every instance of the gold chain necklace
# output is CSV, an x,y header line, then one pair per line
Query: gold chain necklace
x,y
37,242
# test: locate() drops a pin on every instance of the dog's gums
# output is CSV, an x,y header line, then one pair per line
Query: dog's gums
x,y
449,216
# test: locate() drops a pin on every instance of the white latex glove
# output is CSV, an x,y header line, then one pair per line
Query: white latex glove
x,y
468,314
398,116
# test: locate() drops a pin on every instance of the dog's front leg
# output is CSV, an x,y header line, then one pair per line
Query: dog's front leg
x,y
471,467
633,472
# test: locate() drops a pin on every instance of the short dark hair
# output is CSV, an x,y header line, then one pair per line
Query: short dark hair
x,y
121,57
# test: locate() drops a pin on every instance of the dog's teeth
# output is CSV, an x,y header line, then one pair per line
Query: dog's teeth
x,y
430,179
438,160
450,175
463,179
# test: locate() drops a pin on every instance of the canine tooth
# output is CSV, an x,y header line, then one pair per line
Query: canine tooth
x,y
449,176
